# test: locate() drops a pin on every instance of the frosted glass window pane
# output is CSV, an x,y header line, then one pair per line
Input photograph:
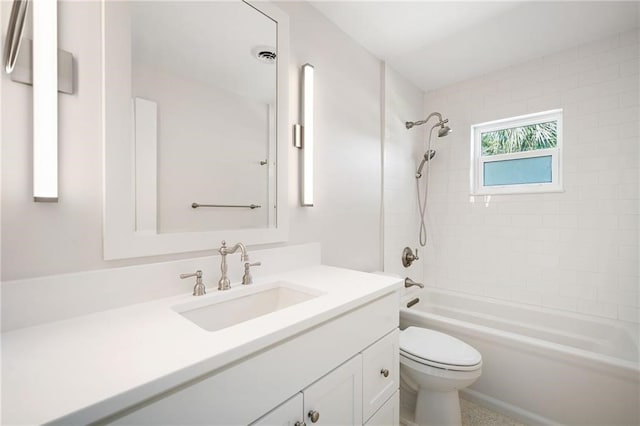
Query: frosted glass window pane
x,y
519,171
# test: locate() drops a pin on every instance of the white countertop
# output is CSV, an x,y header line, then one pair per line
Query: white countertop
x,y
85,368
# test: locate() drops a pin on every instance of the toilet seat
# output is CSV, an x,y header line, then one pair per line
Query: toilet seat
x,y
438,350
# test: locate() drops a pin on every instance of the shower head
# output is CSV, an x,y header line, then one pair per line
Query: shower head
x,y
427,156
444,130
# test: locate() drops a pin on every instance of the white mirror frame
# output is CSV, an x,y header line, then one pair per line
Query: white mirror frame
x,y
121,240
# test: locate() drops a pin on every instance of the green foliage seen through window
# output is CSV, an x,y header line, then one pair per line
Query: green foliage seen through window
x,y
519,139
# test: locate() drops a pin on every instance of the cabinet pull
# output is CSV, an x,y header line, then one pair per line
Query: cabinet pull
x,y
384,372
314,416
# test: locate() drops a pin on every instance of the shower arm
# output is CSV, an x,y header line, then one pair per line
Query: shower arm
x,y
410,124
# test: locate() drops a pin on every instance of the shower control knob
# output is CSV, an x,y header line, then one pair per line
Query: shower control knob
x,y
408,257
314,416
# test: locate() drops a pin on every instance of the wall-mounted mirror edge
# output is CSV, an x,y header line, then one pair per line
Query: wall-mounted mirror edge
x,y
121,240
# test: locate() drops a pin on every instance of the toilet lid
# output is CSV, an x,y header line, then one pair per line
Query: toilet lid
x,y
440,348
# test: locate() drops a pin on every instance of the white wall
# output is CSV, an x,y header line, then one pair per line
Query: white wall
x,y
346,216
402,151
576,250
42,239
46,238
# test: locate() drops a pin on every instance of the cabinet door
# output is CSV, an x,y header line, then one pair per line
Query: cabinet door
x,y
288,413
336,399
381,375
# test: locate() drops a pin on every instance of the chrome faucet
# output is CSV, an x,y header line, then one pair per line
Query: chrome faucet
x,y
408,282
224,283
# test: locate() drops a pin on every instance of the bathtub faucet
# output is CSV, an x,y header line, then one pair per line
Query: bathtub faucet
x,y
408,282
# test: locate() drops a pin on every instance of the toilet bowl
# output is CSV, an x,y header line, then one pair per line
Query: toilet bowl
x,y
435,366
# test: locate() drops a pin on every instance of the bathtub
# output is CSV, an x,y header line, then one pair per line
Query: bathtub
x,y
540,366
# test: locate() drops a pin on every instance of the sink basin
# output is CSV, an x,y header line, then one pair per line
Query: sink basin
x,y
217,314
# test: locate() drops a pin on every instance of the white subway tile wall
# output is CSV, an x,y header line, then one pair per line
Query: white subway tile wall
x,y
403,150
576,250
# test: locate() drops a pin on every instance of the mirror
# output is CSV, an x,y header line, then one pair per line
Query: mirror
x,y
195,125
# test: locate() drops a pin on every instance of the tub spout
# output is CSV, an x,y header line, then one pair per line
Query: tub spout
x,y
408,282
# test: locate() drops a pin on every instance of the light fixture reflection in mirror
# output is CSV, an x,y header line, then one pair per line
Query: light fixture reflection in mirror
x,y
307,135
45,101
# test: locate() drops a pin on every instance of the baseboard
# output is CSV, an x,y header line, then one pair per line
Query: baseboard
x,y
505,408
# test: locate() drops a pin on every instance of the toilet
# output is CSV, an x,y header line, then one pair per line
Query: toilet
x,y
435,366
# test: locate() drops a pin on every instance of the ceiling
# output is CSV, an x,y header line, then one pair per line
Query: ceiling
x,y
438,43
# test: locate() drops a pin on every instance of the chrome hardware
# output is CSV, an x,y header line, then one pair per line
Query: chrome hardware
x,y
384,372
236,206
412,302
297,136
247,278
298,423
14,34
408,282
408,257
314,416
23,68
224,283
199,289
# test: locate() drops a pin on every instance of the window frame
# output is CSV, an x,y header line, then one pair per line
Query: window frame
x,y
478,160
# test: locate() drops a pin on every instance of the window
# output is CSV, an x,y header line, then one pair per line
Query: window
x,y
517,155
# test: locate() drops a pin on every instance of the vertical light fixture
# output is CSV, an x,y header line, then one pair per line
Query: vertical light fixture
x,y
303,137
45,100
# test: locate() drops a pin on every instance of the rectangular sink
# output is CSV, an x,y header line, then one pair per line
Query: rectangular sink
x,y
268,298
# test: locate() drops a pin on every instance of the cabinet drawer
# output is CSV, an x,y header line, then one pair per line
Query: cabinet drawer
x,y
380,372
388,414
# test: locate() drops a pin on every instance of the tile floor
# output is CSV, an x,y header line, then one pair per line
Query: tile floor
x,y
476,415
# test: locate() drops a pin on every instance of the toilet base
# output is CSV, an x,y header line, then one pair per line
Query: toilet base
x,y
437,408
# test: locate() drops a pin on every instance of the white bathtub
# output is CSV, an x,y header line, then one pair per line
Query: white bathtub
x,y
540,365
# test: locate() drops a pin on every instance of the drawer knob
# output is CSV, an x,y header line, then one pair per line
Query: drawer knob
x,y
299,423
314,416
384,372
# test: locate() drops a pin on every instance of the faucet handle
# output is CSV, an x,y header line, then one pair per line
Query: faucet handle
x,y
408,257
198,289
247,278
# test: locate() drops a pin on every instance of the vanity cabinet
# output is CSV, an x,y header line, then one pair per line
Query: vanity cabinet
x,y
333,369
364,389
335,399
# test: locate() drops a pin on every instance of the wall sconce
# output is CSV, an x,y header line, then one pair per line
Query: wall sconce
x,y
42,62
303,136
45,101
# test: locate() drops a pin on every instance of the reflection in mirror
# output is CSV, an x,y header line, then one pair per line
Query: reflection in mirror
x,y
204,82
195,111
